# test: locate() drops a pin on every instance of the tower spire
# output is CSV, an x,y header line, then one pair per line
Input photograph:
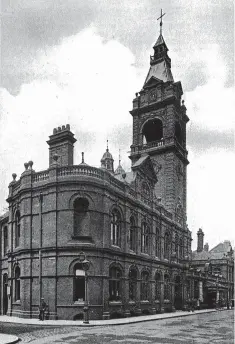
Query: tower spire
x,y
162,15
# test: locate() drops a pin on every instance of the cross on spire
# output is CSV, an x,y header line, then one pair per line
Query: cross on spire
x,y
162,15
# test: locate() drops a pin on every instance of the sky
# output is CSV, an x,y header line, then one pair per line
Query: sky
x,y
81,62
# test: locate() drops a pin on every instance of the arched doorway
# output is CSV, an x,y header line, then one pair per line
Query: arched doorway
x,y
5,298
178,293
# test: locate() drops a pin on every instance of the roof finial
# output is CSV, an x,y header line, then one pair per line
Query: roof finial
x,y
119,156
82,157
161,21
107,149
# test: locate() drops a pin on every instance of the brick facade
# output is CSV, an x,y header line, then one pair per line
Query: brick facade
x,y
131,226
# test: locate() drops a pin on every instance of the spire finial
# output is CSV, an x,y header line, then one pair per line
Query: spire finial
x,y
82,157
107,149
162,14
119,156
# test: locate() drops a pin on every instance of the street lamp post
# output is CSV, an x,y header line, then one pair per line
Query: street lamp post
x,y
217,290
86,266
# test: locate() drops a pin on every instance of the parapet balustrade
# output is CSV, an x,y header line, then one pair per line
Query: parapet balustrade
x,y
89,171
40,176
81,170
151,144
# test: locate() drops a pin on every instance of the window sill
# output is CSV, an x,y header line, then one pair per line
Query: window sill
x,y
167,301
144,254
79,302
115,303
144,301
132,302
157,301
87,238
18,303
116,247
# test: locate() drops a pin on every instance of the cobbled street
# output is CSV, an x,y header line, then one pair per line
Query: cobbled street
x,y
202,328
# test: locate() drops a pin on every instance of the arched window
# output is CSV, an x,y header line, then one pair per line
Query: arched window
x,y
157,286
132,284
17,283
144,285
5,240
132,236
17,229
81,218
178,133
158,244
167,246
79,283
115,284
153,130
116,228
145,237
166,287
177,246
181,248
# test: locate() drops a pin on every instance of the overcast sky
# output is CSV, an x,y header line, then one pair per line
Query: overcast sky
x,y
81,62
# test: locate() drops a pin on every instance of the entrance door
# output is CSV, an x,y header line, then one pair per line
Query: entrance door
x,y
5,297
178,293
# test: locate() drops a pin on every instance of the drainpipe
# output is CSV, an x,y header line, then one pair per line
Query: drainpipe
x,y
40,247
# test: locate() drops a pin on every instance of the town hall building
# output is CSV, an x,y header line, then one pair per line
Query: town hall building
x,y
105,241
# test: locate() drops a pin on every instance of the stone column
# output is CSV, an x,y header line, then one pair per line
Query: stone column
x,y
152,296
125,295
162,308
106,313
172,291
138,308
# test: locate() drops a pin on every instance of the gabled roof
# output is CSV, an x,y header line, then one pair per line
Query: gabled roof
x,y
145,165
220,251
222,247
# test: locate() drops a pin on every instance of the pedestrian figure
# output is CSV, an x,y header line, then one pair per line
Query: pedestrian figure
x,y
42,309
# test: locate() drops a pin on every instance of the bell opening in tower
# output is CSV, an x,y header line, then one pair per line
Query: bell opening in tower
x,y
152,131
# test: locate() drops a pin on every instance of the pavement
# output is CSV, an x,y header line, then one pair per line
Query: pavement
x,y
7,339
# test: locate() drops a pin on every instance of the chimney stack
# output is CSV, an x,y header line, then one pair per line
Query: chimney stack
x,y
200,239
206,247
61,143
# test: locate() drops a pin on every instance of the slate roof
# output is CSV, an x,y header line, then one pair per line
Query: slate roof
x,y
160,41
160,71
220,251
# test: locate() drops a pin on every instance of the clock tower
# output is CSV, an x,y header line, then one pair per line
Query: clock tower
x,y
159,130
